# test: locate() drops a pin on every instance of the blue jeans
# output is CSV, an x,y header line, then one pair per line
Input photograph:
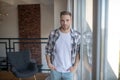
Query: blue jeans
x,y
55,75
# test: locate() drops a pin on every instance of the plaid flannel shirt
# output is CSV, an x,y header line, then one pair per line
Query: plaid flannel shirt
x,y
54,35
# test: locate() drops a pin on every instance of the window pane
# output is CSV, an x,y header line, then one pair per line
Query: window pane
x,y
112,63
87,41
82,21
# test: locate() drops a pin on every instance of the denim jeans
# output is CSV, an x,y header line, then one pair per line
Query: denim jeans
x,y
55,75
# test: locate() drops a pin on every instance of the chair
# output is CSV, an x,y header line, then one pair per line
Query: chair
x,y
21,64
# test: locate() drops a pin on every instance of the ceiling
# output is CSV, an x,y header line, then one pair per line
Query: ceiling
x,y
15,2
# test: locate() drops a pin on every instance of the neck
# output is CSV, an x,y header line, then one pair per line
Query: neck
x,y
64,30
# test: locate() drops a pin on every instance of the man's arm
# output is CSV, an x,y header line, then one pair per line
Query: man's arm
x,y
52,67
77,60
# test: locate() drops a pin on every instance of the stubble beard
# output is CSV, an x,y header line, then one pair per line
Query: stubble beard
x,y
65,28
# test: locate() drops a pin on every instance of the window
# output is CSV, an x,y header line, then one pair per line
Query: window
x,y
98,23
82,11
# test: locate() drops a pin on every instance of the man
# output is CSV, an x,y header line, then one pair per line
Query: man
x,y
63,49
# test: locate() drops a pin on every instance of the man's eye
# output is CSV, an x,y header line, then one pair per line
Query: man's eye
x,y
62,20
67,20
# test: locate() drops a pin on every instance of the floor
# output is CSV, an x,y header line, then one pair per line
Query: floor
x,y
5,75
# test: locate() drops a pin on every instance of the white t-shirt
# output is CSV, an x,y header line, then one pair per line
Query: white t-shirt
x,y
62,59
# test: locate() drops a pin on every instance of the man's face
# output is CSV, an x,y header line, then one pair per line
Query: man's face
x,y
65,21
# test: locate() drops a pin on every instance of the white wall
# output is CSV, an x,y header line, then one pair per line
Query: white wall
x,y
59,5
47,19
9,24
50,13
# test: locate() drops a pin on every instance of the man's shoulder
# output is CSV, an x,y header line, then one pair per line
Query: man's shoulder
x,y
75,32
54,31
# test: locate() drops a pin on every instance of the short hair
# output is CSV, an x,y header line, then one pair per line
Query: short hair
x,y
65,13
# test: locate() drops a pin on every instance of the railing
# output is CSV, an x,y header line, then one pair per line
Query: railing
x,y
13,44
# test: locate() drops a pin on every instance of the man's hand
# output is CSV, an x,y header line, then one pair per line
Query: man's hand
x,y
73,68
52,67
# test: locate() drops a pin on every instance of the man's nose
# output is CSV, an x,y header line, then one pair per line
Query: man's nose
x,y
65,22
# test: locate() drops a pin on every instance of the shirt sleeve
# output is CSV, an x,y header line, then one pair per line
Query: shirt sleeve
x,y
49,45
78,44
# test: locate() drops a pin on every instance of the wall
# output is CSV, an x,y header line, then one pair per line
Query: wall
x,y
47,22
59,5
9,24
50,11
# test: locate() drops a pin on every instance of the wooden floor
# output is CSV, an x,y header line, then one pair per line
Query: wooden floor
x,y
5,75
